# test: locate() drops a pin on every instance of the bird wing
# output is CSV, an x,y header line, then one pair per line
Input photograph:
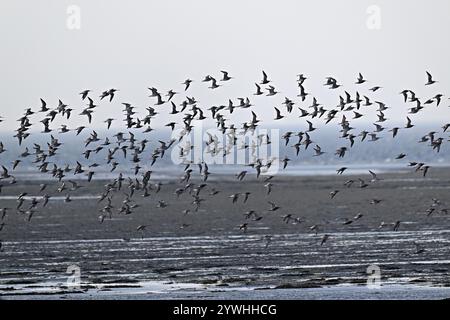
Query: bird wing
x,y
277,111
254,116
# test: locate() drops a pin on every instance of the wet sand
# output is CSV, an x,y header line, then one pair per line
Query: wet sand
x,y
215,259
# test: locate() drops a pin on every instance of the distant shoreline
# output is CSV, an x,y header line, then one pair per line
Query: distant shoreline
x,y
173,172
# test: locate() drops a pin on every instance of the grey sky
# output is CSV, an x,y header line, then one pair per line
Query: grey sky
x,y
131,45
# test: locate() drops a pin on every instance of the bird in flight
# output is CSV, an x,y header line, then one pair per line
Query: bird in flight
x,y
360,79
187,83
430,80
265,79
133,154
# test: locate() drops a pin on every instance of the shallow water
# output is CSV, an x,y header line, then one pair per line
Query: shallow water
x,y
231,267
212,257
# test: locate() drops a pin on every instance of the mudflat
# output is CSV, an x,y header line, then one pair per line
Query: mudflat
x,y
212,248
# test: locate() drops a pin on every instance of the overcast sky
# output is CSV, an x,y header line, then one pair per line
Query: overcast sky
x,y
131,45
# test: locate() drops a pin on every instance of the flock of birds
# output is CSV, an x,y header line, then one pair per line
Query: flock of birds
x,y
127,146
